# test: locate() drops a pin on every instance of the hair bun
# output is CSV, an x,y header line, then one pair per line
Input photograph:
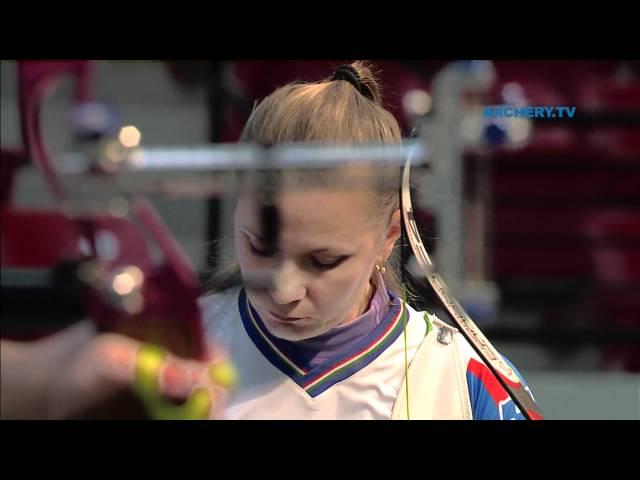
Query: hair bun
x,y
360,76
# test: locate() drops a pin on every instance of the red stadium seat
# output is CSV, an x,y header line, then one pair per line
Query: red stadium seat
x,y
561,74
615,258
612,96
257,79
616,143
598,94
539,202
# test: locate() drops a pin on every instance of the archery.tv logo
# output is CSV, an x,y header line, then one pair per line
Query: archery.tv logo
x,y
541,111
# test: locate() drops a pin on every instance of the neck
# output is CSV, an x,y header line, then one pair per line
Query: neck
x,y
363,305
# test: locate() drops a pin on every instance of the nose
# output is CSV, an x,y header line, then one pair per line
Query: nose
x,y
289,285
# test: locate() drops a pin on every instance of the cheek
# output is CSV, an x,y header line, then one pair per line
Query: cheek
x,y
338,291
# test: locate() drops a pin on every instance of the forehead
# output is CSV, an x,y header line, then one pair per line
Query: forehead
x,y
318,214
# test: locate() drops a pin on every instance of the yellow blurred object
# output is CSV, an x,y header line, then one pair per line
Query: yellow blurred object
x,y
148,364
223,374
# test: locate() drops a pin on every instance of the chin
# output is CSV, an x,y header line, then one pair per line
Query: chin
x,y
293,332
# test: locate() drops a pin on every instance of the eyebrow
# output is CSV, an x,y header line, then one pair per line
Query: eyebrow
x,y
260,239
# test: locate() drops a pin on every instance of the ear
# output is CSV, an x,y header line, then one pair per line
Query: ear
x,y
394,229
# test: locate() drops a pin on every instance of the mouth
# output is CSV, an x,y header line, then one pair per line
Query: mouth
x,y
284,319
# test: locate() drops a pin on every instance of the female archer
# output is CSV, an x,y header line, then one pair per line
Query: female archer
x,y
331,337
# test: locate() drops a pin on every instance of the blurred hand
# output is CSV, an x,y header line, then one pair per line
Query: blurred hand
x,y
77,370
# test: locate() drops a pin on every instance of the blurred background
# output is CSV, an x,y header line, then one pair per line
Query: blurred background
x,y
550,225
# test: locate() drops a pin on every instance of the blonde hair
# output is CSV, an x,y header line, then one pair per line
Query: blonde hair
x,y
333,112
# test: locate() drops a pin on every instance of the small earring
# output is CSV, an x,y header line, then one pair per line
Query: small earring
x,y
383,268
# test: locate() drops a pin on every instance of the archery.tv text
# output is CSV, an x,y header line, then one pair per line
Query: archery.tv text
x,y
529,112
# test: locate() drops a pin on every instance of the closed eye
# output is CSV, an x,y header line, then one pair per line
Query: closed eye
x,y
326,264
319,263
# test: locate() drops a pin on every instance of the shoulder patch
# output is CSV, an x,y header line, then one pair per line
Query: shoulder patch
x,y
445,331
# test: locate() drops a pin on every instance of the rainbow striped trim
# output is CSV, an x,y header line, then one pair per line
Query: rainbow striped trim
x,y
334,370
